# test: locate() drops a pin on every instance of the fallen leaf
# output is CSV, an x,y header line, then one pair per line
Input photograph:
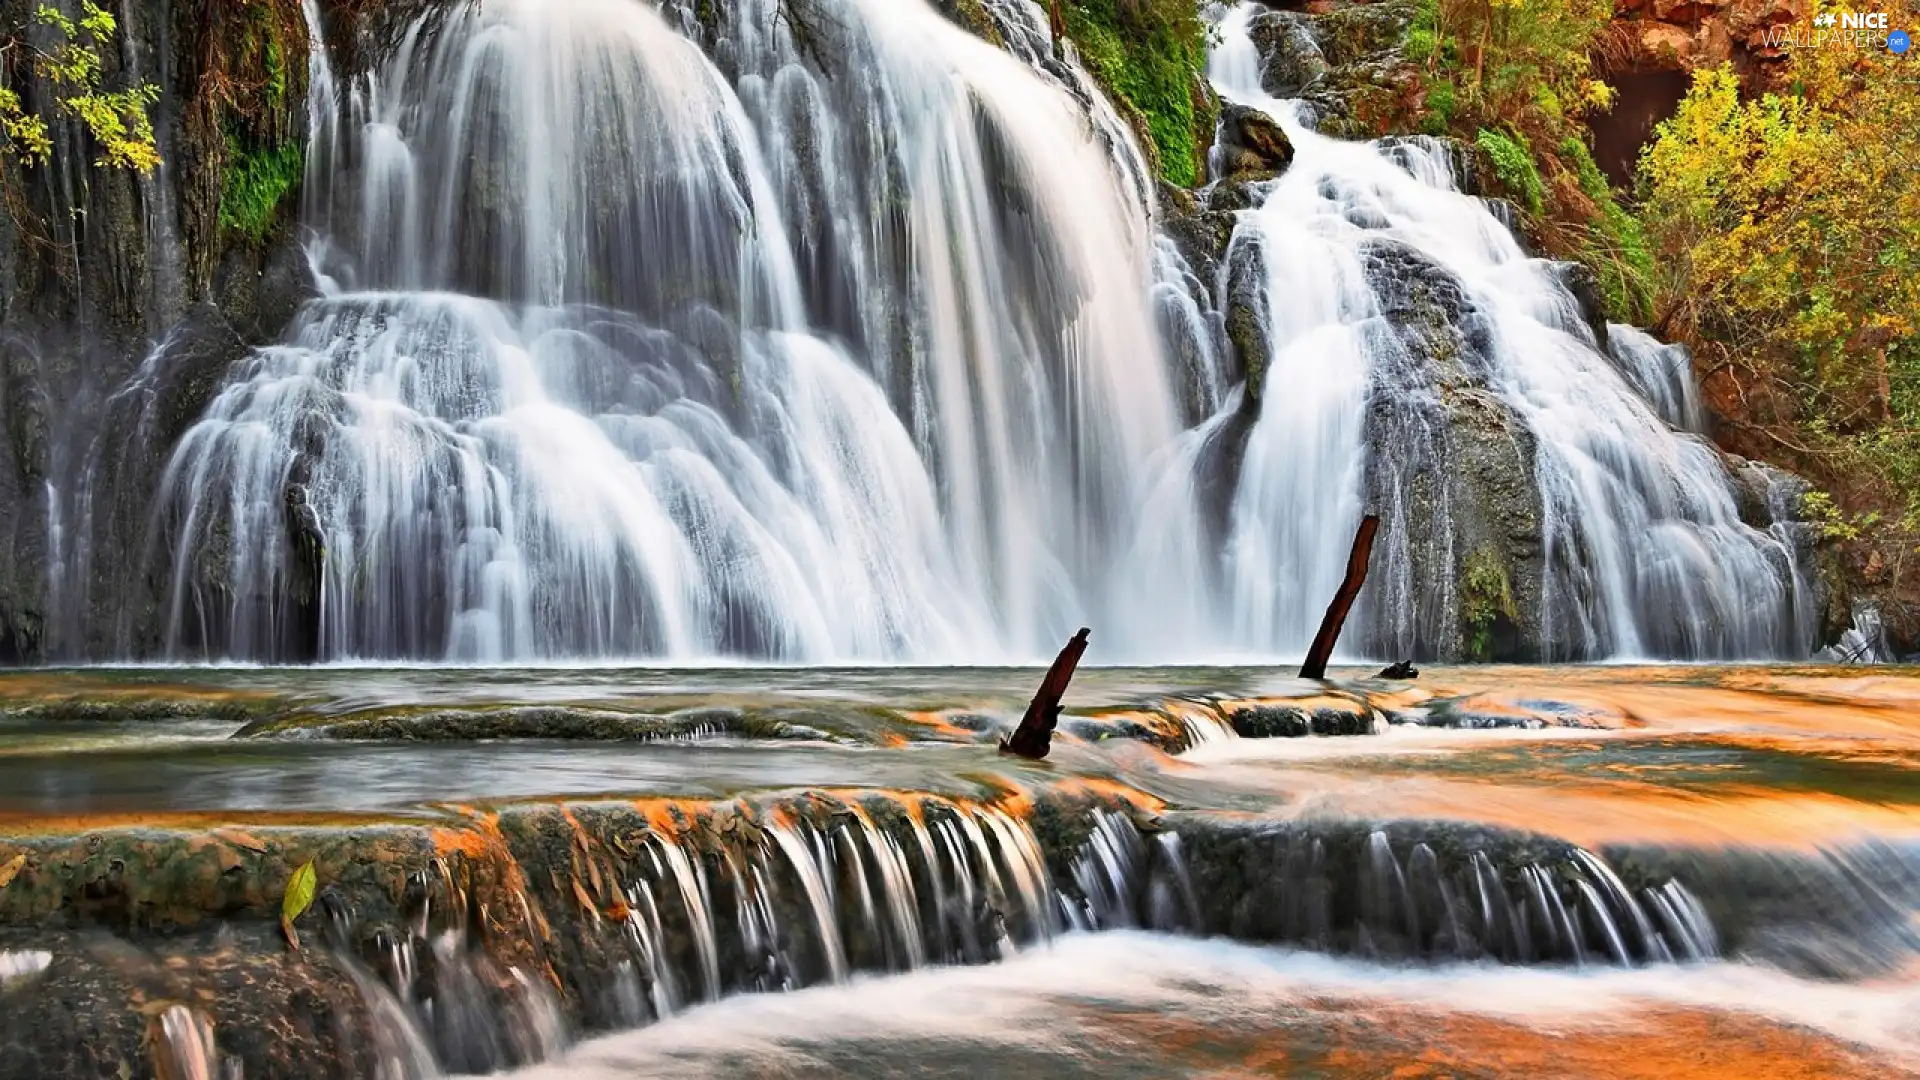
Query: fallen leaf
x,y
300,888
586,902
293,936
619,911
11,868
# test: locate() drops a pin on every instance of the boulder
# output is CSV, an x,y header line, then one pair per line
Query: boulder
x,y
1251,145
1291,60
1246,308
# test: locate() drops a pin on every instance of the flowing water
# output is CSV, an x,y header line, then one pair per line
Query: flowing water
x,y
827,332
777,872
1645,547
831,332
624,352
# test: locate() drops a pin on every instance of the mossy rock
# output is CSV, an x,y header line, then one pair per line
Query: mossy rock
x,y
1277,721
1487,612
1246,321
974,17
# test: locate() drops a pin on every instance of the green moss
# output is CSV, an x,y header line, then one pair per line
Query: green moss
x,y
973,15
276,76
1151,55
1486,597
1512,162
257,184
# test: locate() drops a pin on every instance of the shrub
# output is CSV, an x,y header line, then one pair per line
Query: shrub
x,y
1513,166
72,64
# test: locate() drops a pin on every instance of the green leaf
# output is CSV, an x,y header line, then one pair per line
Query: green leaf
x,y
299,892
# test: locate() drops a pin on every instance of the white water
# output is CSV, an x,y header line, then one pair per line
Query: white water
x,y
1644,547
1663,374
628,356
630,349
1044,1011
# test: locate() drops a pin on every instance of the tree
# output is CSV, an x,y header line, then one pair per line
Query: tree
x,y
1791,227
71,63
1788,230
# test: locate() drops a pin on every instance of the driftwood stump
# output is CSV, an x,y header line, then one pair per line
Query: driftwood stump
x,y
1336,617
1034,737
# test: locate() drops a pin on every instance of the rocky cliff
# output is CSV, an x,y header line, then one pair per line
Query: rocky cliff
x,y
123,300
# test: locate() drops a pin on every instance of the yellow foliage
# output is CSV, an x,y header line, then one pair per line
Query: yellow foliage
x,y
117,119
1796,215
1788,226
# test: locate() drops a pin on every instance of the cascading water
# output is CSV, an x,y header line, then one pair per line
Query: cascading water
x,y
1663,374
1361,250
621,358
827,331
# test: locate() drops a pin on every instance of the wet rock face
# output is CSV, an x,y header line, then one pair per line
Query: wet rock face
x,y
1292,61
1344,64
112,341
1453,468
485,942
1433,890
1580,280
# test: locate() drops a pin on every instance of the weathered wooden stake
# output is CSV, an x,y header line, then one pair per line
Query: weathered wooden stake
x,y
1034,737
1336,617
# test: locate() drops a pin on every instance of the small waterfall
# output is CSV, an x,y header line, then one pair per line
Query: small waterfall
x,y
1126,879
1420,362
183,1046
16,967
1430,891
1661,373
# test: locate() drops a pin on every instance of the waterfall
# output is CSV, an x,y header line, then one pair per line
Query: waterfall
x,y
827,331
1663,374
1397,310
629,351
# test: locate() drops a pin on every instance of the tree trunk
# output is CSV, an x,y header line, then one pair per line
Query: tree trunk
x,y
1034,737
1336,617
